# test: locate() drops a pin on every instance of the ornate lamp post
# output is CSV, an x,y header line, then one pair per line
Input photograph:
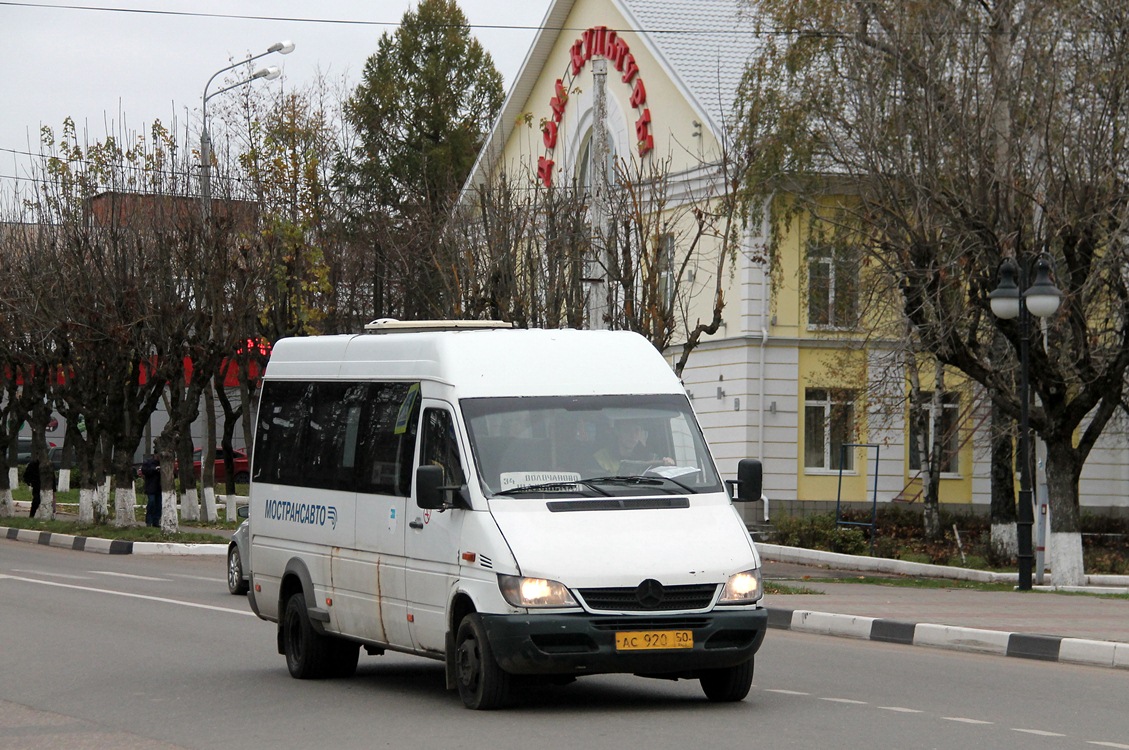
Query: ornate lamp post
x,y
1009,300
269,73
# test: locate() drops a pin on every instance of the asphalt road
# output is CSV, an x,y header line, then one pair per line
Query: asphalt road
x,y
152,652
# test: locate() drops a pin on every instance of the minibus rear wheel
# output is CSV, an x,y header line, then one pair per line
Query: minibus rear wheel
x,y
306,649
483,685
728,685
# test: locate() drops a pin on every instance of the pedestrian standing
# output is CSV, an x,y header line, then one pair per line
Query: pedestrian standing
x,y
151,473
31,479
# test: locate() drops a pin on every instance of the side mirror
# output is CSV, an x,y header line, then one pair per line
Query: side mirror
x,y
429,488
749,480
242,511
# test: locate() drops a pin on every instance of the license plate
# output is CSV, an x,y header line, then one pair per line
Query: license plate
x,y
650,640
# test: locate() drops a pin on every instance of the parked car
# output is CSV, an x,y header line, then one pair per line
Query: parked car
x,y
237,559
242,465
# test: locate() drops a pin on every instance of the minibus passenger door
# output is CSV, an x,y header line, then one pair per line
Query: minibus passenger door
x,y
432,542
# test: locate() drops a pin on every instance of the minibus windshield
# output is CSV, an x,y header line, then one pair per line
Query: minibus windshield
x,y
588,446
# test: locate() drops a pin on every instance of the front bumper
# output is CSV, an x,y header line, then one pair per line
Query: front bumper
x,y
578,644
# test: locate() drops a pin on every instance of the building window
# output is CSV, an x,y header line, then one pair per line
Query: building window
x,y
833,286
949,437
586,169
829,423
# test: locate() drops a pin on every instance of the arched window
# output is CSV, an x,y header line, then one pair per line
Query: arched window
x,y
584,166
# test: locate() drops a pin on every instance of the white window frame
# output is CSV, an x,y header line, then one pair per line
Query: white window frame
x,y
825,401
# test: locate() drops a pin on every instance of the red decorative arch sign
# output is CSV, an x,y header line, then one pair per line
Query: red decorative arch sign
x,y
602,42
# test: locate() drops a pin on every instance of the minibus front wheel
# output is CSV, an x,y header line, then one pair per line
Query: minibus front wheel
x,y
729,684
482,684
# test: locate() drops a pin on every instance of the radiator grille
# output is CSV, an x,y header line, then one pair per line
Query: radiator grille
x,y
629,599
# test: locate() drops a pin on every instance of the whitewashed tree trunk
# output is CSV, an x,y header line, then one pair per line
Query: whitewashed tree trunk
x,y
210,515
102,499
13,477
1066,558
64,480
1004,541
46,510
125,502
86,497
169,523
7,504
190,505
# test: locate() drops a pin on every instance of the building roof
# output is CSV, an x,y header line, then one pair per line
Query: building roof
x,y
702,46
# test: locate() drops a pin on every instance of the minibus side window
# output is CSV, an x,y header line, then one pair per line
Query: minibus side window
x,y
279,424
441,447
388,438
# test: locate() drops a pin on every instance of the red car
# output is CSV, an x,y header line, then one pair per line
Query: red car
x,y
242,465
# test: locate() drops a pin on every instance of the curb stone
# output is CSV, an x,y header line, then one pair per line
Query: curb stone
x,y
109,546
1021,645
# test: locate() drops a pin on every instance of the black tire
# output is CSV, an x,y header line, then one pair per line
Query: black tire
x,y
728,685
483,685
237,583
307,651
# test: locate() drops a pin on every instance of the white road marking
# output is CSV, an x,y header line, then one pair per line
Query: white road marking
x,y
128,575
902,710
130,595
785,692
53,575
963,720
209,579
844,700
1039,732
1117,745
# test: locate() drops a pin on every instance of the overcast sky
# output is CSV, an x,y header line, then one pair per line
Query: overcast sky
x,y
102,67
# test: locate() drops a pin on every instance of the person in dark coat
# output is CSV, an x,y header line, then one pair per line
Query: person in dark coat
x,y
31,479
151,472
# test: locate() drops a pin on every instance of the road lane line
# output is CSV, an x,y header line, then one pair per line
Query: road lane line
x,y
844,700
964,720
1039,732
1116,745
53,575
209,579
129,575
785,692
128,594
902,709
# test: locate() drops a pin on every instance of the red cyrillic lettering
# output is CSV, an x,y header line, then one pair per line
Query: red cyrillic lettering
x,y
576,53
643,135
629,67
639,93
545,170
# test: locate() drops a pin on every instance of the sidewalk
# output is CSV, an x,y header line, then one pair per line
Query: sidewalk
x,y
1041,624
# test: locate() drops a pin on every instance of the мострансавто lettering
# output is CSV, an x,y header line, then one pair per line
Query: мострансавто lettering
x,y
304,513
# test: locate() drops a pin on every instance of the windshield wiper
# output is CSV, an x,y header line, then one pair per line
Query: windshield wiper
x,y
636,479
551,487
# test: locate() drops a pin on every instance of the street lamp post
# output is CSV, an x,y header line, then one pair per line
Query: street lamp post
x,y
1010,300
268,73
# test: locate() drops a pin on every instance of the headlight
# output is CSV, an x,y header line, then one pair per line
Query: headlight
x,y
535,592
742,588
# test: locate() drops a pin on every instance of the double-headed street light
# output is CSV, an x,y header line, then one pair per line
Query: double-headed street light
x,y
1041,300
268,73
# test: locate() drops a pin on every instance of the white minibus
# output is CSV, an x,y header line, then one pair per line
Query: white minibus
x,y
519,504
